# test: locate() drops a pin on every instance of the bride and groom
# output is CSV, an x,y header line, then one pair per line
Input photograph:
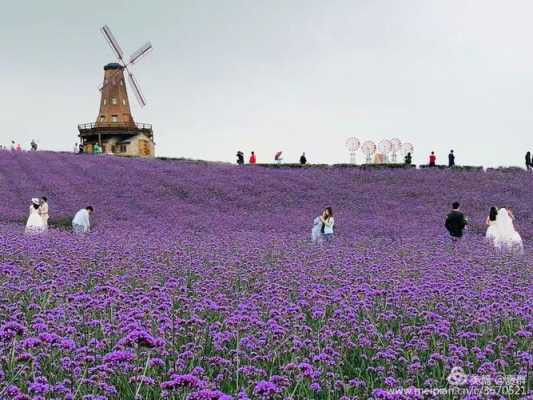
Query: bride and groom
x,y
501,232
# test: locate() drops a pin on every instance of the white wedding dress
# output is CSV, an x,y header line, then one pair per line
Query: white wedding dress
x,y
506,238
35,223
491,231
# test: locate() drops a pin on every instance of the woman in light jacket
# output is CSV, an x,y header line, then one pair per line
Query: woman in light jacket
x,y
328,222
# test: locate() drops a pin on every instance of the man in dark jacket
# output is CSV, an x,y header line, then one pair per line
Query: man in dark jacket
x,y
303,159
451,159
528,161
240,158
455,222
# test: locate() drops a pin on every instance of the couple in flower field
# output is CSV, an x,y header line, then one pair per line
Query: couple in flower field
x,y
501,232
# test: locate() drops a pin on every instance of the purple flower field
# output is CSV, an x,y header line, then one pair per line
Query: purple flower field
x,y
199,281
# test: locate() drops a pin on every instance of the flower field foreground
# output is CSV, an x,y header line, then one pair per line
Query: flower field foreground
x,y
199,282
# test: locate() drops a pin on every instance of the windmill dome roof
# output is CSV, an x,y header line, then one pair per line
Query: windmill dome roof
x,y
112,66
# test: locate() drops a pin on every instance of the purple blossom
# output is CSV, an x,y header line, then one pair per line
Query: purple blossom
x,y
266,389
119,357
178,381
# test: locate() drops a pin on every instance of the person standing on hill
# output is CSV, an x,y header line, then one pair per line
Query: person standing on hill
x,y
81,222
240,158
451,159
432,159
278,157
43,211
408,159
528,161
456,222
252,160
303,159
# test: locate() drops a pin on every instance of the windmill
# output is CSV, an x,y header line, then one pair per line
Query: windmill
x,y
115,131
134,58
368,148
352,144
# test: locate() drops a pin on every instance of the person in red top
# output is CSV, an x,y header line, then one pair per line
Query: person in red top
x,y
432,159
252,158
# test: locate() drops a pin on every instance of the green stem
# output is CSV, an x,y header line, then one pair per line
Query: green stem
x,y
144,374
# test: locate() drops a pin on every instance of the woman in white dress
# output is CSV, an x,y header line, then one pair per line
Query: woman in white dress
x,y
491,224
506,238
35,223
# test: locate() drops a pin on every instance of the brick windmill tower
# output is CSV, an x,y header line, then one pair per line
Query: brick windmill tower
x,y
115,130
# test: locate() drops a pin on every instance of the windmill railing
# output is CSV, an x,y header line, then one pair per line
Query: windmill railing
x,y
94,125
109,126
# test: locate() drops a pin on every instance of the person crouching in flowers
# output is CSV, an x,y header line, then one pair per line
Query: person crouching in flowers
x,y
35,223
81,222
323,226
327,223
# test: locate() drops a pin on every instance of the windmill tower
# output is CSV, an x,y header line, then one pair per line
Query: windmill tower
x,y
114,102
115,130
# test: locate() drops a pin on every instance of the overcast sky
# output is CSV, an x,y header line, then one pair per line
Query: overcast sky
x,y
291,75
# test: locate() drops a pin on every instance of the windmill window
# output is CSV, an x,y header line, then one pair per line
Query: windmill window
x,y
102,118
114,118
105,101
124,101
114,100
121,82
123,148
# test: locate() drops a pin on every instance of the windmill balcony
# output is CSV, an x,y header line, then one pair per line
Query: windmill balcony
x,y
103,128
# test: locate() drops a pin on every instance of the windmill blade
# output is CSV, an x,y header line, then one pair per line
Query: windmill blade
x,y
112,42
143,50
136,89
